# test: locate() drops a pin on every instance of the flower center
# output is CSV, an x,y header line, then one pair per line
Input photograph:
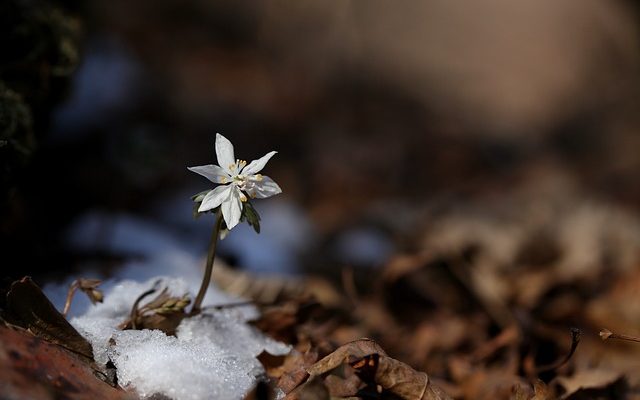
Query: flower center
x,y
238,165
241,182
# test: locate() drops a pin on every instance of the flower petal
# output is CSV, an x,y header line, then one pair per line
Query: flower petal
x,y
256,166
232,207
212,172
263,188
214,198
224,153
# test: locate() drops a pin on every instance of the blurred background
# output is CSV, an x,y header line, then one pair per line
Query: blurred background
x,y
399,128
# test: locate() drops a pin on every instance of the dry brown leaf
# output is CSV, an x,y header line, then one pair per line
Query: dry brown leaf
x,y
491,384
542,392
405,382
33,368
279,322
358,348
313,389
586,379
343,387
519,392
293,371
374,367
524,392
29,308
619,308
268,290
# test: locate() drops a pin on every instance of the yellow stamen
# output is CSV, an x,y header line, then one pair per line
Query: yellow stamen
x,y
243,198
258,177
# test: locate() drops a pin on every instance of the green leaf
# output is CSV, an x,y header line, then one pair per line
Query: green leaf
x,y
197,203
251,216
199,196
196,213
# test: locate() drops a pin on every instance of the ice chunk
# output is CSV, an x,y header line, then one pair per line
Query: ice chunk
x,y
152,362
212,356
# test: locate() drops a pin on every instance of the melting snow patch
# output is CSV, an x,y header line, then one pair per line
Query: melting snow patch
x,y
212,356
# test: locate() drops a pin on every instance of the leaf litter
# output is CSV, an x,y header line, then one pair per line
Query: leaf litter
x,y
489,302
481,305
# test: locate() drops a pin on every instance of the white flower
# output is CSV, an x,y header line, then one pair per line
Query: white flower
x,y
237,180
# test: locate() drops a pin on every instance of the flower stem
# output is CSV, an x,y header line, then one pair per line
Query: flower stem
x,y
209,267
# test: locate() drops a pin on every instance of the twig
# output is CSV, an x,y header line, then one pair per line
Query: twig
x,y
72,290
134,309
575,339
607,334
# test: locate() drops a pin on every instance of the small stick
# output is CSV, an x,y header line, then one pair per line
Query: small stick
x,y
607,334
134,309
575,339
72,290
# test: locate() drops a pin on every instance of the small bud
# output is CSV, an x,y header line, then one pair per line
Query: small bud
x,y
89,287
170,303
605,334
96,295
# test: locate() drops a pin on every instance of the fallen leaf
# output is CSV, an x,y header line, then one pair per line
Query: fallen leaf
x,y
358,348
35,369
489,384
344,387
313,389
520,393
586,380
375,368
541,391
293,371
29,308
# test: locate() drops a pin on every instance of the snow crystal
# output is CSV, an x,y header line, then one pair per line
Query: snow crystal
x,y
212,356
